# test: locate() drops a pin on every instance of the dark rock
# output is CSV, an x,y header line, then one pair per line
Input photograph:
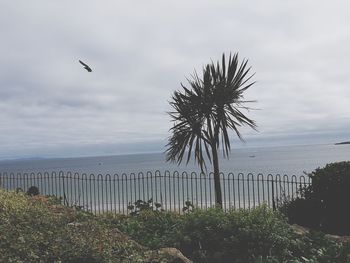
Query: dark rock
x,y
340,239
301,231
170,254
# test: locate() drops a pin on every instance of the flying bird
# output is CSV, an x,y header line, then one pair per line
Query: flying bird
x,y
85,66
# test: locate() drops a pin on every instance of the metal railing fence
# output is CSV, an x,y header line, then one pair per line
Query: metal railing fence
x,y
113,193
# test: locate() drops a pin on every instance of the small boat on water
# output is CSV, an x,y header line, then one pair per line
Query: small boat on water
x,y
251,156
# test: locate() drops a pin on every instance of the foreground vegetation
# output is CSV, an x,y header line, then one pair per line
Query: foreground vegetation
x,y
323,205
259,235
37,229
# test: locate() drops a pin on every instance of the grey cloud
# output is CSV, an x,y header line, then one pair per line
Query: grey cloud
x,y
141,51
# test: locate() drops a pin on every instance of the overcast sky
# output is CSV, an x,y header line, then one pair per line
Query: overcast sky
x,y
140,51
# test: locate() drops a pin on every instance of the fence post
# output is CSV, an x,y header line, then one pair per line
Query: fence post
x,y
273,196
65,201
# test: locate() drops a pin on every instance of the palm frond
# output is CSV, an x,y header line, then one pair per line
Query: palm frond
x,y
205,111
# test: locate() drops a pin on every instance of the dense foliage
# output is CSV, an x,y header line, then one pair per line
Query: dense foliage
x,y
324,204
33,190
35,229
259,235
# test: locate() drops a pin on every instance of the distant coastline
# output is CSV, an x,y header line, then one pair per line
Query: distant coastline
x,y
340,143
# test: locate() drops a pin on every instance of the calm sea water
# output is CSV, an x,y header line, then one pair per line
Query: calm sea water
x,y
102,194
266,160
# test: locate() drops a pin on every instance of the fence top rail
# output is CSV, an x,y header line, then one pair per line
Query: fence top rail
x,y
237,176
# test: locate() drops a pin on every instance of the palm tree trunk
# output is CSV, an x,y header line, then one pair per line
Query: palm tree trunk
x,y
217,185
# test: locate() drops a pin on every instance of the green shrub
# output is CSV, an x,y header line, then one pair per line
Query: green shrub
x,y
36,229
154,229
259,235
12,203
33,190
303,212
141,205
325,203
245,236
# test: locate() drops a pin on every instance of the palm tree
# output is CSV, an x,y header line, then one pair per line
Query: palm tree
x,y
203,114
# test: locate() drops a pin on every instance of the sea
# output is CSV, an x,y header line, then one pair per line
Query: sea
x,y
289,160
112,183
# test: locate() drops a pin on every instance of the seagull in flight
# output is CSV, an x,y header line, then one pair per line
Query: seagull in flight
x,y
85,66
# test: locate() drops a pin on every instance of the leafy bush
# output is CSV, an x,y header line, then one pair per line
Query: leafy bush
x,y
325,203
154,229
141,205
259,235
237,236
33,190
188,208
36,229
